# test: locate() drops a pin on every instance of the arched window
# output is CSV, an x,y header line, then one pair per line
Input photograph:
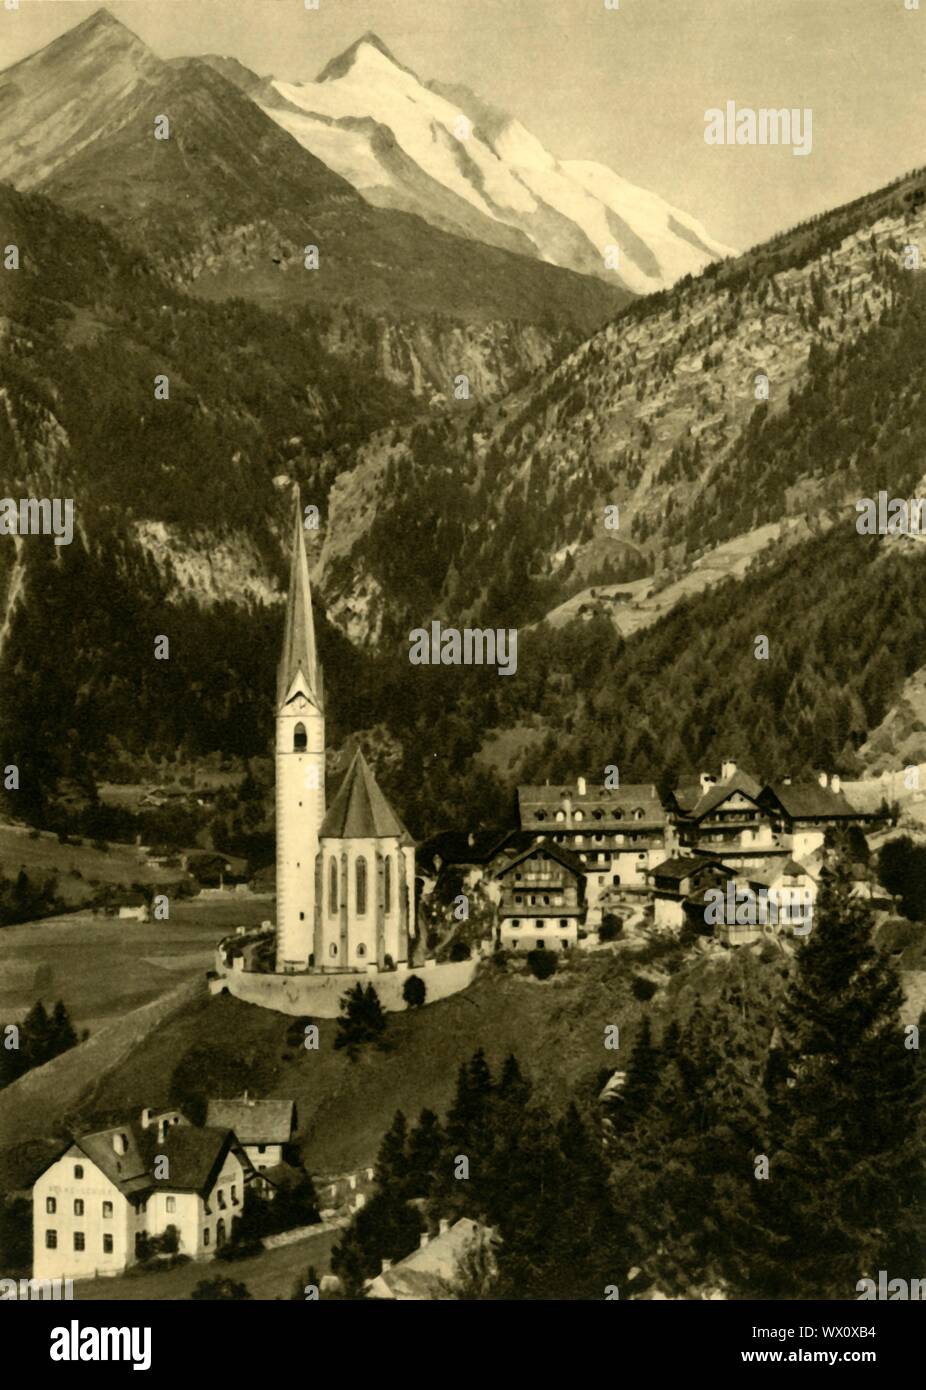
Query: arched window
x,y
361,884
300,739
387,884
332,885
361,949
333,949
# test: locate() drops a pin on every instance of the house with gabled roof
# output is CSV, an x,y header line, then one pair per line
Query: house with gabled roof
x,y
680,878
725,814
432,1271
805,810
542,899
262,1127
107,1191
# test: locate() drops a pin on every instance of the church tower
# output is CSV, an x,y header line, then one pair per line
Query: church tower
x,y
300,766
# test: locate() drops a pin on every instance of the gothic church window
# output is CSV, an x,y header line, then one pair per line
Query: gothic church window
x,y
300,739
361,874
387,885
332,885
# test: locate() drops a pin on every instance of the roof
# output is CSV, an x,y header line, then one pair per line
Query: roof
x,y
254,1121
194,1156
552,850
681,865
283,1175
612,803
428,1271
462,847
130,1172
299,655
808,800
715,795
360,811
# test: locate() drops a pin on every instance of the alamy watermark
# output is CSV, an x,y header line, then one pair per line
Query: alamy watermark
x,y
473,646
745,125
25,1289
895,516
746,907
38,516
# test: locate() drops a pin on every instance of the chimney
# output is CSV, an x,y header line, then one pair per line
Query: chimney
x,y
836,783
786,781
444,1225
707,781
580,786
386,1266
423,1240
471,839
146,1116
120,1143
727,769
822,779
567,807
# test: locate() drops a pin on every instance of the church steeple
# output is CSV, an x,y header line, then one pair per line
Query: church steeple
x,y
299,656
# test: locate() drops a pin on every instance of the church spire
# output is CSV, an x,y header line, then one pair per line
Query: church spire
x,y
299,653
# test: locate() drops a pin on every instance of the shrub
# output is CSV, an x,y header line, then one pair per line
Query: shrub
x,y
542,963
643,989
459,951
220,1289
611,927
414,991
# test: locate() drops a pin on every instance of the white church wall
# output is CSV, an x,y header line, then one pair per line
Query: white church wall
x,y
318,996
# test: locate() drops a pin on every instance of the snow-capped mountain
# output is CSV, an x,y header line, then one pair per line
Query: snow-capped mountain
x,y
466,167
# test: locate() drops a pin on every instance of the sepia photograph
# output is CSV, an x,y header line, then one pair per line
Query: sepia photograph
x,y
463,671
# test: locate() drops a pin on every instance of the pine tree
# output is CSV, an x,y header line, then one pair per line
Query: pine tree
x,y
846,1188
392,1161
641,1082
63,1035
425,1147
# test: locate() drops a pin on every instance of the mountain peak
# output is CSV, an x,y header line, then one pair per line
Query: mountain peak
x,y
101,19
344,61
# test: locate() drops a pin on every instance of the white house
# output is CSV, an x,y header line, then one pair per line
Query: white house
x,y
107,1190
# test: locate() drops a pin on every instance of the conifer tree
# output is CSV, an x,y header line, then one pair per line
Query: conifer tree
x,y
392,1161
846,1189
425,1147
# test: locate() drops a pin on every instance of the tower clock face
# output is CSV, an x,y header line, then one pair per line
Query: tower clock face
x,y
299,704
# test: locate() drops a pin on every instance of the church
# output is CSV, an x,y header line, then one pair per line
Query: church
x,y
345,873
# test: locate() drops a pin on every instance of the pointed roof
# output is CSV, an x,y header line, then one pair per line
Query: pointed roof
x,y
360,811
299,655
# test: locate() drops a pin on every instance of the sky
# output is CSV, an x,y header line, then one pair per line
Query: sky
x,y
627,87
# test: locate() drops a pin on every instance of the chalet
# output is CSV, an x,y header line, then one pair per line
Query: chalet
x,y
263,1127
617,832
106,1192
806,810
542,898
679,878
727,814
